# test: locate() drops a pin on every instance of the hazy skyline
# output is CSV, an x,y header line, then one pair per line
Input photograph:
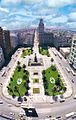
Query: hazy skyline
x,y
16,14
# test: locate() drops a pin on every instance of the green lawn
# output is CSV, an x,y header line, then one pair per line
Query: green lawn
x,y
44,51
35,80
26,52
14,87
50,85
36,90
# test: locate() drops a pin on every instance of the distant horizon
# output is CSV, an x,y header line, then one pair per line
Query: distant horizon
x,y
20,14
50,27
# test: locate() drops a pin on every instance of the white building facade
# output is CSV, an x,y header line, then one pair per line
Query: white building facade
x,y
72,58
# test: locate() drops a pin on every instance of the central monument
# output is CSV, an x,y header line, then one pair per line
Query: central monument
x,y
36,61
35,58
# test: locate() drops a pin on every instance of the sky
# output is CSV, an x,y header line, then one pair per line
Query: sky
x,y
20,14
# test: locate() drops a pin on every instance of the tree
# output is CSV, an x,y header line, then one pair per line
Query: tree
x,y
13,95
11,79
26,93
53,67
18,63
25,77
8,88
25,84
24,66
25,99
16,89
19,68
54,89
46,93
58,75
52,59
9,84
20,99
64,88
23,51
57,81
45,85
43,72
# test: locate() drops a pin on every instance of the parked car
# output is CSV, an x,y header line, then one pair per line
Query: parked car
x,y
1,102
62,100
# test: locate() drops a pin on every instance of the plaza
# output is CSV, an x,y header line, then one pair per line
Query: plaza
x,y
36,80
28,78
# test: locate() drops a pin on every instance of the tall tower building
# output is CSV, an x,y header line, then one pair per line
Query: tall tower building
x,y
7,42
1,37
41,26
72,58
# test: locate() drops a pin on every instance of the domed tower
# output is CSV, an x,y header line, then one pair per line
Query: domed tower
x,y
41,26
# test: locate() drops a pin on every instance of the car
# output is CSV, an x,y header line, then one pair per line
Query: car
x,y
9,105
1,84
58,117
11,113
1,102
75,97
72,81
68,70
62,100
70,114
74,117
74,74
19,102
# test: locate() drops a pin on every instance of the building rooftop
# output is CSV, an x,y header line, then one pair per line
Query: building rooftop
x,y
74,37
65,50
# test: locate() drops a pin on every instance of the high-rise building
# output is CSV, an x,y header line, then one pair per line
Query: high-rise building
x,y
7,43
26,38
1,37
72,58
41,26
45,38
62,40
1,57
